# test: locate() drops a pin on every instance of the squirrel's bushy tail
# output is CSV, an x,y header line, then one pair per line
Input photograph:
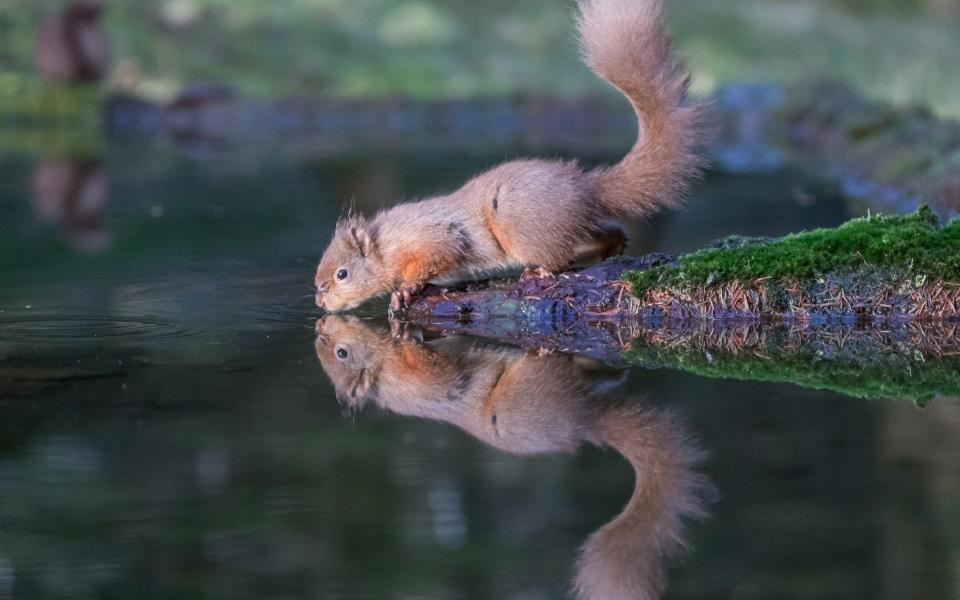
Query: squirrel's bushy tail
x,y
627,558
626,43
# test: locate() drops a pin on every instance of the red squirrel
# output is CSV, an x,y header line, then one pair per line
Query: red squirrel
x,y
539,215
530,404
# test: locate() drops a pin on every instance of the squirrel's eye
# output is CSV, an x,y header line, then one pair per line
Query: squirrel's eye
x,y
342,353
341,274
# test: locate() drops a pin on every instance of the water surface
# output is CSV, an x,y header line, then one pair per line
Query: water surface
x,y
170,425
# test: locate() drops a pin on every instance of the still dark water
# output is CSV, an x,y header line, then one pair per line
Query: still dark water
x,y
167,430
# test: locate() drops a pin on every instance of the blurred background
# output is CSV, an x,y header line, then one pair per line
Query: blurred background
x,y
900,50
170,171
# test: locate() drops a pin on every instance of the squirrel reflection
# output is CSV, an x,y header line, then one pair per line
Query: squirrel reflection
x,y
530,404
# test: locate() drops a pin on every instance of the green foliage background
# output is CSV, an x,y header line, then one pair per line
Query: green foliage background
x,y
901,50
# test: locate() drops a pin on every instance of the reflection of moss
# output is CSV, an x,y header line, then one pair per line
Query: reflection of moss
x,y
882,373
915,242
49,120
28,99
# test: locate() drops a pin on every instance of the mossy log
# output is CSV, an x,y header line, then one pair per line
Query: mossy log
x,y
874,269
869,309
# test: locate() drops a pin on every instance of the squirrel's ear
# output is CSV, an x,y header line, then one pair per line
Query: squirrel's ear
x,y
363,240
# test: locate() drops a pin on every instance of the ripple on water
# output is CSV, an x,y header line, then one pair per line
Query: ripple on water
x,y
171,309
216,306
66,329
284,298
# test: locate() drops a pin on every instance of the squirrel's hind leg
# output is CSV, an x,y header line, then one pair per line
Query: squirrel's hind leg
x,y
610,240
536,273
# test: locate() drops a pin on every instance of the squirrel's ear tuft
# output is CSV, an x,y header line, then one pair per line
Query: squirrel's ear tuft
x,y
363,240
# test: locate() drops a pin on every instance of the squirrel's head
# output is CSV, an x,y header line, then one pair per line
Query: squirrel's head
x,y
351,269
351,353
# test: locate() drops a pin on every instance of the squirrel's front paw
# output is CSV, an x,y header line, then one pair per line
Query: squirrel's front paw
x,y
400,299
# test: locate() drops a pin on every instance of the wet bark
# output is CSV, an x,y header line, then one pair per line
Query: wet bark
x,y
597,291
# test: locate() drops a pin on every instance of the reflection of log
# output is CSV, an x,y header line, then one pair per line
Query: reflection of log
x,y
868,270
908,360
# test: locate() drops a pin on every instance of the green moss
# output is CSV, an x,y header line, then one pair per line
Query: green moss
x,y
916,242
882,376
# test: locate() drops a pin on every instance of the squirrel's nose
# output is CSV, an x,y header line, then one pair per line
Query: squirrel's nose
x,y
318,328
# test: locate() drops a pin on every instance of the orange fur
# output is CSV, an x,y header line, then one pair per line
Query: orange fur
x,y
423,262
